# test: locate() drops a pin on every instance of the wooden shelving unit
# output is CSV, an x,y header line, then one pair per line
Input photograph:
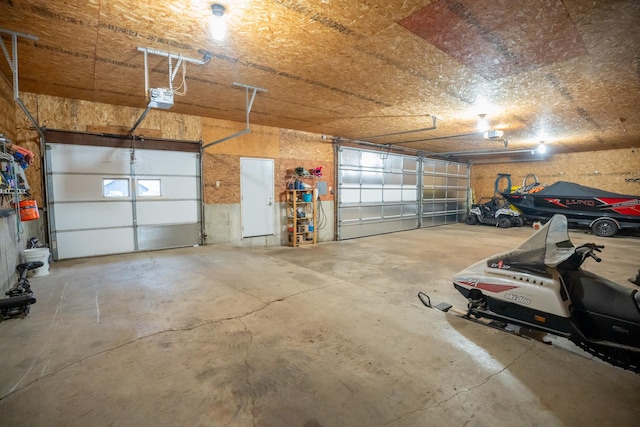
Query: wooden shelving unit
x,y
301,217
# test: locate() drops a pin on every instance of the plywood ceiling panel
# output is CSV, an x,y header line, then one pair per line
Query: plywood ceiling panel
x,y
352,69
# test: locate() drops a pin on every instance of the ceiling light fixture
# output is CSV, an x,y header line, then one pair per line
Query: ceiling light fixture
x,y
217,9
218,22
483,123
542,148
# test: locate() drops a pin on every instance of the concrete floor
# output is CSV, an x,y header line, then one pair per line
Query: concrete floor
x,y
331,335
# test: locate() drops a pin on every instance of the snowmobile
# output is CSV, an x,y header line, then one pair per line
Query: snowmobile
x,y
494,212
541,286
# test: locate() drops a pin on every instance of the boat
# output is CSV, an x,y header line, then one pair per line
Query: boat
x,y
606,213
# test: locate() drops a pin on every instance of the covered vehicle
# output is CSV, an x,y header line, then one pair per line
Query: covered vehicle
x,y
604,212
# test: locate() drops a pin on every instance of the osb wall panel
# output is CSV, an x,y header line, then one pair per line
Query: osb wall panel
x,y
308,150
7,110
290,150
261,142
221,162
27,137
288,165
305,145
225,169
606,170
73,114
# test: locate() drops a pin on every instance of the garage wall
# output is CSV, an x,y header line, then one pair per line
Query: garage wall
x,y
221,162
14,234
7,110
606,169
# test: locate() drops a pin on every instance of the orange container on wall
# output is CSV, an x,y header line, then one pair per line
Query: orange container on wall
x,y
28,210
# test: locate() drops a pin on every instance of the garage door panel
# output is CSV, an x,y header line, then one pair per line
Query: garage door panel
x,y
89,160
174,187
74,188
162,212
378,194
82,216
75,244
167,236
160,162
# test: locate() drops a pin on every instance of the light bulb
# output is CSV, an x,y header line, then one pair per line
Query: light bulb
x,y
483,123
541,148
218,22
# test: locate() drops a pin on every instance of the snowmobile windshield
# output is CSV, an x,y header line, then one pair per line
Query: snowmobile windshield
x,y
548,247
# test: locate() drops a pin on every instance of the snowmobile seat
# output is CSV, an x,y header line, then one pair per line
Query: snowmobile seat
x,y
598,295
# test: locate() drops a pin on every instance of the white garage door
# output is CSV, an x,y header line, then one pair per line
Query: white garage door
x,y
106,200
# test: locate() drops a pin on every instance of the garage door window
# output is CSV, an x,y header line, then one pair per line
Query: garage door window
x,y
115,187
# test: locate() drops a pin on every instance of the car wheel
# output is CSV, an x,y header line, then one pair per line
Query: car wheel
x,y
472,219
504,223
604,228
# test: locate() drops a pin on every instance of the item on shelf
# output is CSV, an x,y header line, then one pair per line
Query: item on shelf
x,y
23,156
301,171
28,210
301,217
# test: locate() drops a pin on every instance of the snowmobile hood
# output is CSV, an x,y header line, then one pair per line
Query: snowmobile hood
x,y
548,247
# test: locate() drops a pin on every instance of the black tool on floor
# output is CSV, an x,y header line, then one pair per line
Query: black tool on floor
x,y
20,297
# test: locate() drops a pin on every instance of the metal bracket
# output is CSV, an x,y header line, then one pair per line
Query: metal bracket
x,y
13,64
172,71
433,127
172,74
249,104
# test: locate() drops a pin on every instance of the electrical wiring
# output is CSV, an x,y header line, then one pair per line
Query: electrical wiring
x,y
322,216
182,89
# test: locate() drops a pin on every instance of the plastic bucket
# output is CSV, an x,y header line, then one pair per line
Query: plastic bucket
x,y
37,254
28,210
306,197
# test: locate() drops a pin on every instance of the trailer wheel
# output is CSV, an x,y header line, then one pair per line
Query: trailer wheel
x,y
604,228
504,222
472,219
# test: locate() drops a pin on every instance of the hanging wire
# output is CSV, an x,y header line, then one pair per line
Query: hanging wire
x,y
182,89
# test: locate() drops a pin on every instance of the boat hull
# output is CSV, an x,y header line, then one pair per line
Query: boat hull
x,y
581,205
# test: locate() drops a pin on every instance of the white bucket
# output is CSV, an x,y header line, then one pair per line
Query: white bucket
x,y
37,254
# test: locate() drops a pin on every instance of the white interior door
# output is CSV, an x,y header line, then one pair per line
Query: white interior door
x,y
257,197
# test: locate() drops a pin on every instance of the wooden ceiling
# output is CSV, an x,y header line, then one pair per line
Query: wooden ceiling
x,y
563,71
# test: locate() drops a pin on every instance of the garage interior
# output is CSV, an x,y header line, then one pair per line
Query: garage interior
x,y
166,138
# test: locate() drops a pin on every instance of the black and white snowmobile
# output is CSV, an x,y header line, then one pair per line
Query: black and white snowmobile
x,y
540,285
